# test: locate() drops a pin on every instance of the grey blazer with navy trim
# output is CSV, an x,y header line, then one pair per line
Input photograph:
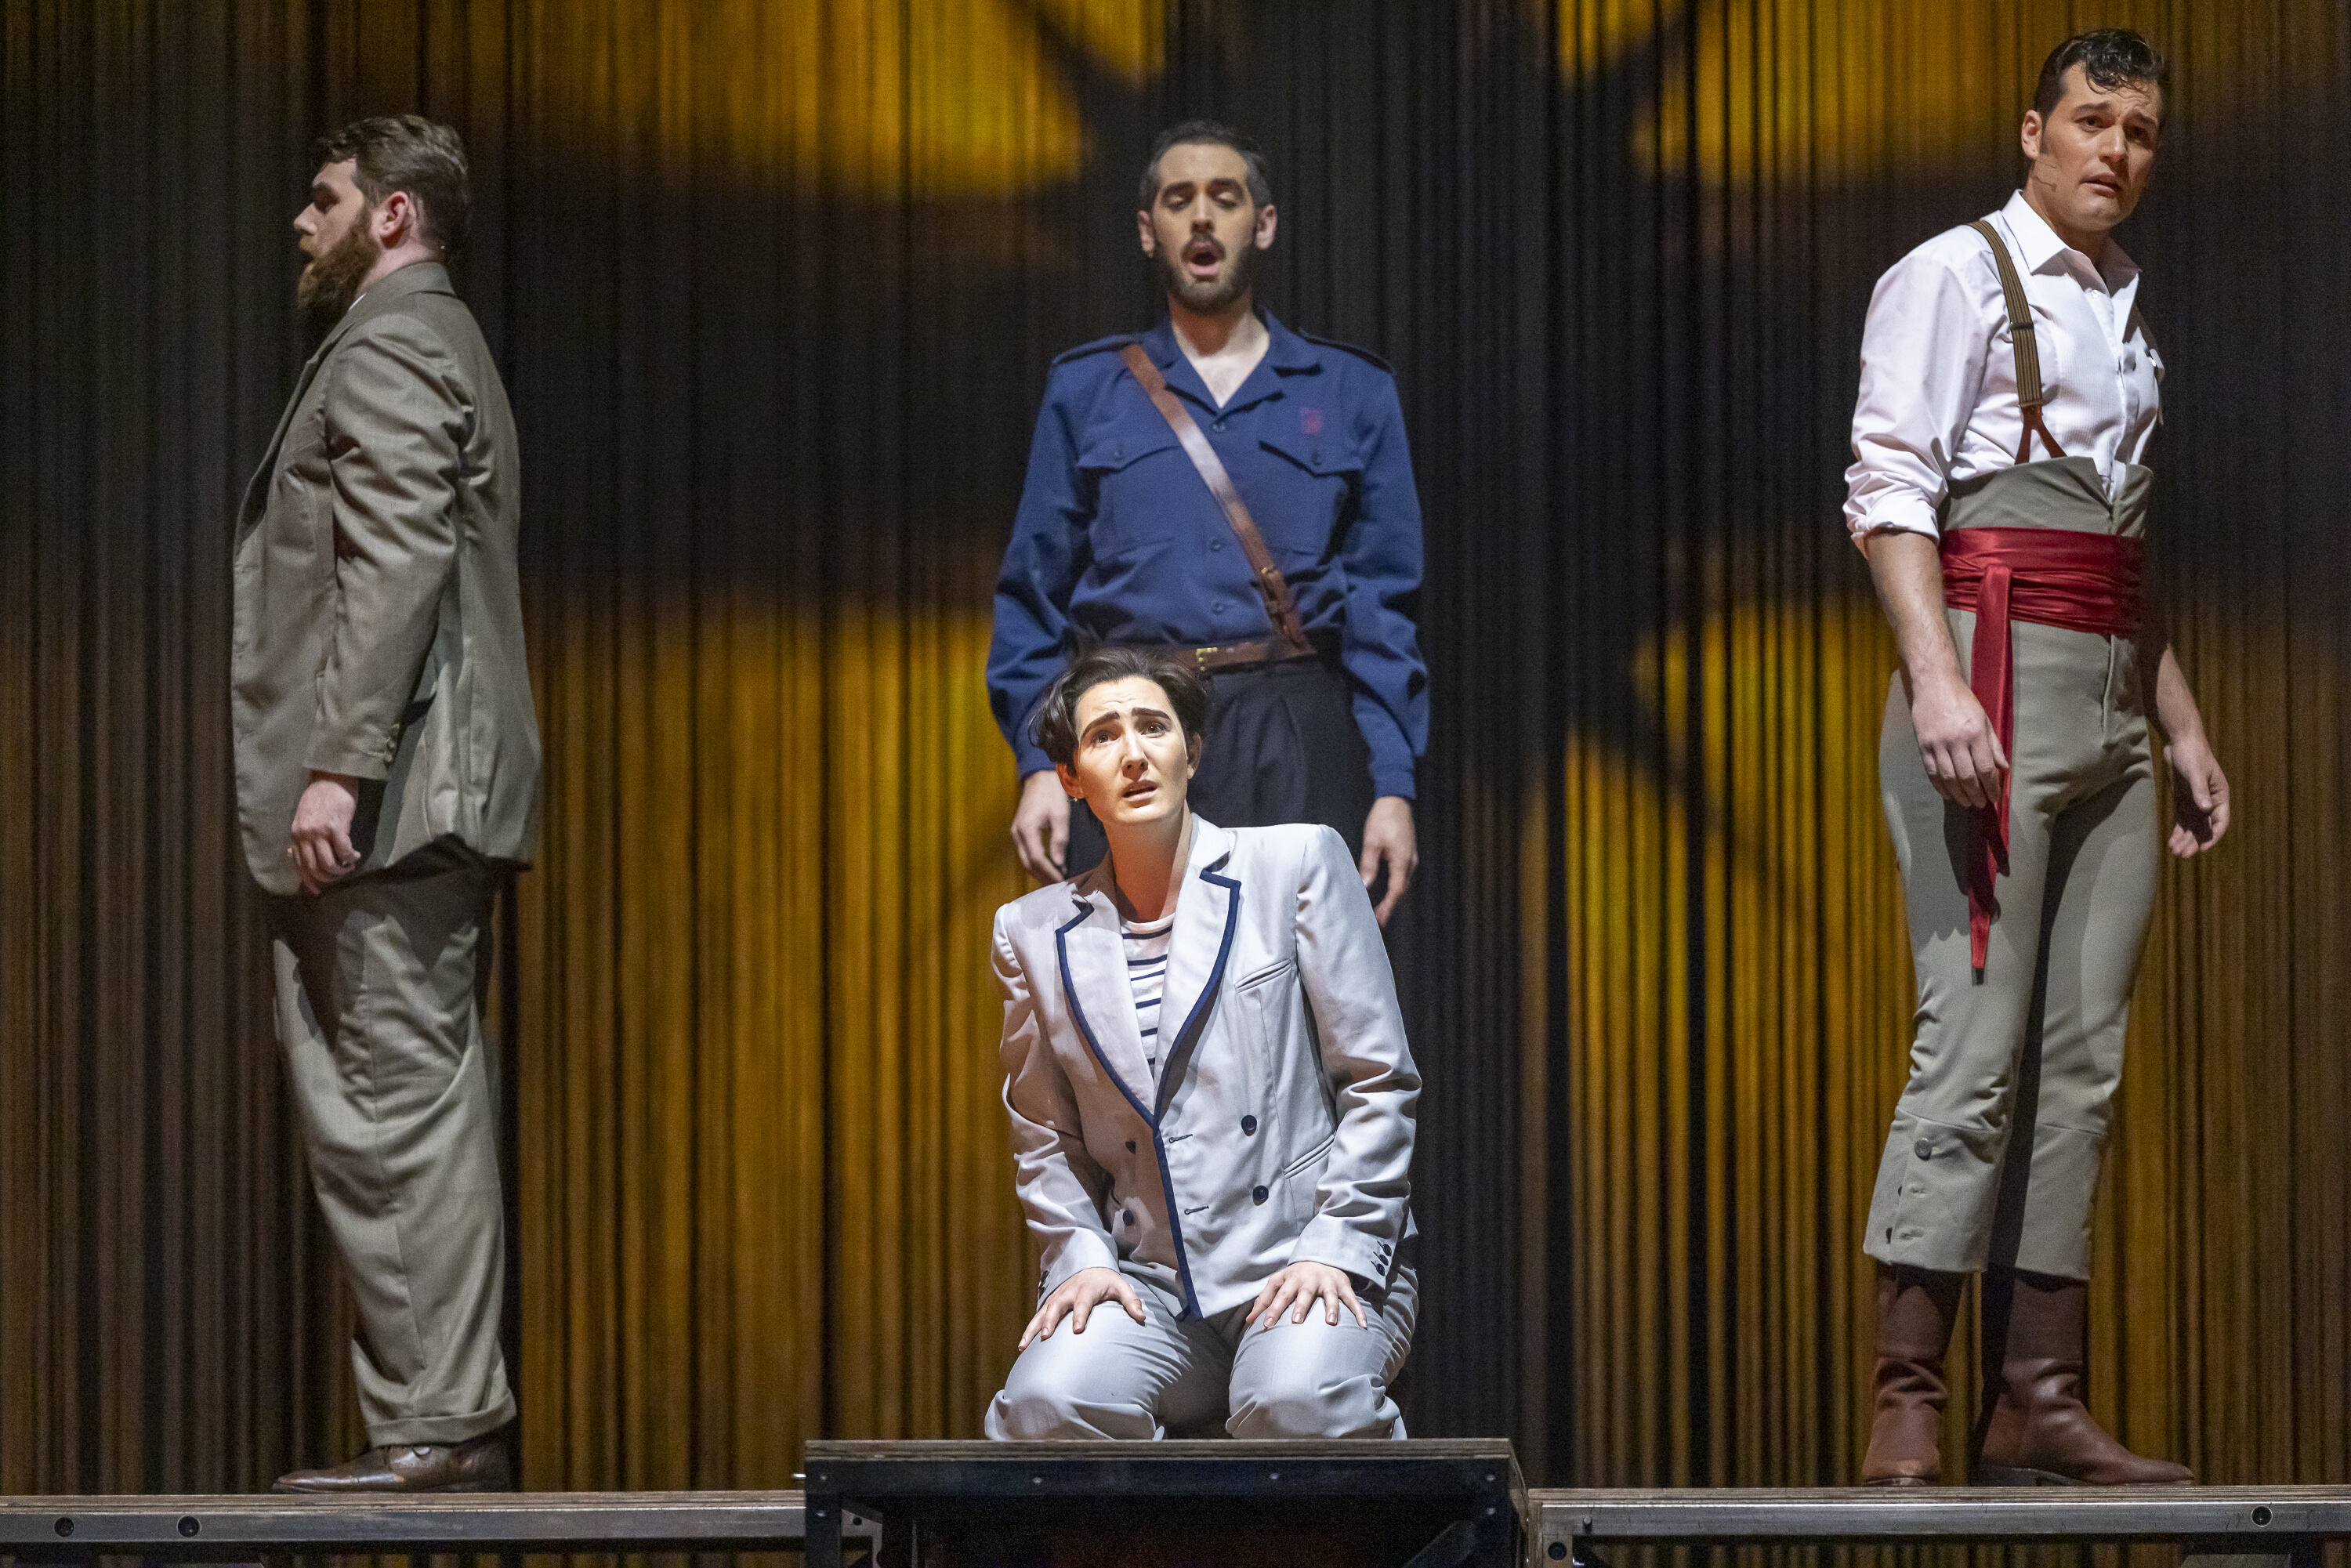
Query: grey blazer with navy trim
x,y
1280,1128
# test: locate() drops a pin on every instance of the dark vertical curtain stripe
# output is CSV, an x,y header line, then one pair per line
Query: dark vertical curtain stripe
x,y
775,289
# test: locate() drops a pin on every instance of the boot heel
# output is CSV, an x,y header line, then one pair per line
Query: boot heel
x,y
2019,1475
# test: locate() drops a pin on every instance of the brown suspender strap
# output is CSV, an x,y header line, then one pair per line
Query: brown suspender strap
x,y
2030,393
1278,606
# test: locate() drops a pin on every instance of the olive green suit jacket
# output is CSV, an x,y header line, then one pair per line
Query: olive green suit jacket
x,y
379,620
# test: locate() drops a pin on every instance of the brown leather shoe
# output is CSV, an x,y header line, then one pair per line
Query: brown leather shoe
x,y
2035,1429
477,1464
1915,1308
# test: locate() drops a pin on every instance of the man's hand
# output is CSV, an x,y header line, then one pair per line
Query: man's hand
x,y
1389,840
1305,1283
1080,1294
2200,795
321,850
1963,757
1041,828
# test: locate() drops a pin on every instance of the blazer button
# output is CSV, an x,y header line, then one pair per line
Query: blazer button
x,y
1924,1150
1259,1195
1249,1126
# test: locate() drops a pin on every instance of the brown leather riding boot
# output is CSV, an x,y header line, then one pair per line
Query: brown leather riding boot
x,y
1915,1308
2034,1429
477,1464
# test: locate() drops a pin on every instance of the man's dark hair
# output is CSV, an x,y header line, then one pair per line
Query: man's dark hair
x,y
2109,57
408,152
1217,133
1056,711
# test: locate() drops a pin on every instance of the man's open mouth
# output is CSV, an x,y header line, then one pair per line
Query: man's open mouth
x,y
1203,257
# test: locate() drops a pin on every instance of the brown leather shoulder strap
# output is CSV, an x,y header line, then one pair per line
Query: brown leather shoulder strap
x,y
1275,588
2030,393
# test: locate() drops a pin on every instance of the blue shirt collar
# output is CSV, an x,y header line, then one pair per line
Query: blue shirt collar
x,y
1285,354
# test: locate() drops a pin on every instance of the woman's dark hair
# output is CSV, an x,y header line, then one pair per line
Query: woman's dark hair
x,y
2109,57
1056,711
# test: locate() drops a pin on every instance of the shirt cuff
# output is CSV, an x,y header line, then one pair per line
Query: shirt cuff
x,y
1895,514
1078,1250
1327,1239
1390,776
352,758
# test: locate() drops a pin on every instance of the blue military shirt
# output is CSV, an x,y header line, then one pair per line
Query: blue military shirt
x,y
1118,539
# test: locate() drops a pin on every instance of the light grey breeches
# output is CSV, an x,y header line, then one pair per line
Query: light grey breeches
x,y
1129,1380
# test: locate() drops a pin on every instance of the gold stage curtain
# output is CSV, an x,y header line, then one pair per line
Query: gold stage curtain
x,y
775,288
1735,1015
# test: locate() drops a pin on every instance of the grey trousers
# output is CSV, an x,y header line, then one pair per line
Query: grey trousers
x,y
378,1016
1124,1379
1994,1150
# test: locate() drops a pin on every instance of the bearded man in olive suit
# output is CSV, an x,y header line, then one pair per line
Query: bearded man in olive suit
x,y
387,774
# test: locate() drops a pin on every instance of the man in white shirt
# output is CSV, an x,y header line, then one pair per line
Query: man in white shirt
x,y
2008,390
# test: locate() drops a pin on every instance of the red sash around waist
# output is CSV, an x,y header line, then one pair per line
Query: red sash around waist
x,y
2055,577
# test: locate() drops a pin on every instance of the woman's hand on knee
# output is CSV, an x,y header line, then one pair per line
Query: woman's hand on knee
x,y
1080,1294
1304,1284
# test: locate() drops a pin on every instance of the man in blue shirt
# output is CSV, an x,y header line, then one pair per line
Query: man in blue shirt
x,y
1120,538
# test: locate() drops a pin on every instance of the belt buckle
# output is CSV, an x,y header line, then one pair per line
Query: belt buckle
x,y
1200,657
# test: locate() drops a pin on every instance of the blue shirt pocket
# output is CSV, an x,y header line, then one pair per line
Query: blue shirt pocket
x,y
1309,483
1136,471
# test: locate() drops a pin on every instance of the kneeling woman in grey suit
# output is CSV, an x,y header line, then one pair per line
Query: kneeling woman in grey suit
x,y
1211,1100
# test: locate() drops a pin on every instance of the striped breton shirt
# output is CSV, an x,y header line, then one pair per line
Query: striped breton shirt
x,y
1146,973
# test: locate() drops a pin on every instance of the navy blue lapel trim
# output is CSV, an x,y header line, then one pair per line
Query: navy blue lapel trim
x,y
1158,1146
1085,1030
1179,1055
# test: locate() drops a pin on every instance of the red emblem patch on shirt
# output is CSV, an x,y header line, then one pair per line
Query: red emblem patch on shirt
x,y
1312,419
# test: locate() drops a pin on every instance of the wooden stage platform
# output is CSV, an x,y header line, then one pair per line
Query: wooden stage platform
x,y
1418,1504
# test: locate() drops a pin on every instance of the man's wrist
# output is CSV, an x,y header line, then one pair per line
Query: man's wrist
x,y
1938,678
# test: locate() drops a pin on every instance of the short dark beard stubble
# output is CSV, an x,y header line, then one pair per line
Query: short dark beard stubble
x,y
329,284
1208,299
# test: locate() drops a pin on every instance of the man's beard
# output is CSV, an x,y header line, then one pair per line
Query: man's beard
x,y
1210,297
332,281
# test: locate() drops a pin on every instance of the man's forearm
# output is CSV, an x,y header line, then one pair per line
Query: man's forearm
x,y
2175,705
1909,570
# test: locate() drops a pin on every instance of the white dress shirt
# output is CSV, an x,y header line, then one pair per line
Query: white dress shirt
x,y
1938,403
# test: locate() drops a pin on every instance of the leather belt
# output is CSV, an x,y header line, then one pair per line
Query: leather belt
x,y
2053,577
1240,656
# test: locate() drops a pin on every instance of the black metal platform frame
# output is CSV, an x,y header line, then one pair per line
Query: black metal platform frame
x,y
188,1529
913,1487
2278,1523
852,1484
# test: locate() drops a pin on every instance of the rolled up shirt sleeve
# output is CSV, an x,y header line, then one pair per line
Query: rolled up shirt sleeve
x,y
1380,645
1042,567
1922,368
